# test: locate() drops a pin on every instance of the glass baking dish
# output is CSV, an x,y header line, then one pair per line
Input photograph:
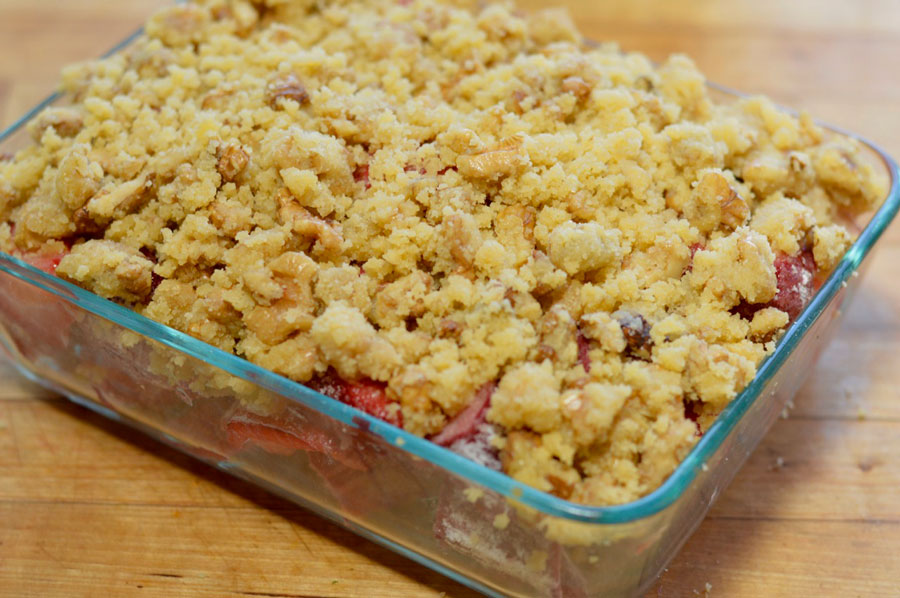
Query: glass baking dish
x,y
471,523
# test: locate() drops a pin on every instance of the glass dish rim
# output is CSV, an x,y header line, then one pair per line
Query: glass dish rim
x,y
659,499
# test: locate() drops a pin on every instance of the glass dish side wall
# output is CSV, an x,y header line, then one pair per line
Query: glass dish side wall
x,y
340,470
358,478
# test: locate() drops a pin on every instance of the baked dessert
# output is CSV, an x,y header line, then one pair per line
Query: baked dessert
x,y
554,258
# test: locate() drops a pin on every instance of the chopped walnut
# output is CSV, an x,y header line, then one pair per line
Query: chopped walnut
x,y
294,311
636,331
449,328
116,202
577,87
67,122
179,25
715,203
507,158
233,159
462,237
85,224
329,240
216,99
287,87
78,178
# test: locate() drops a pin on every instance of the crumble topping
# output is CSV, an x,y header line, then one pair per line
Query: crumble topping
x,y
553,257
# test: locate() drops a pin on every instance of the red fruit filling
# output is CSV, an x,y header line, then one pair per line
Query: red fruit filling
x,y
361,175
694,247
583,348
797,283
286,434
366,395
468,434
469,420
692,412
47,263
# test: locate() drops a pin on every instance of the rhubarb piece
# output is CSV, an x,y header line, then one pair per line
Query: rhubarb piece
x,y
467,422
583,348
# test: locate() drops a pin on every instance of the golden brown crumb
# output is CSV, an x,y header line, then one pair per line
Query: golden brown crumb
x,y
441,197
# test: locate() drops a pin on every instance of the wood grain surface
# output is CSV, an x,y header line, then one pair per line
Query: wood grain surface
x,y
89,508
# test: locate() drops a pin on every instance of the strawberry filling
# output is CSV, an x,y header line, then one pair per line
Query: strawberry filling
x,y
47,263
289,431
361,175
797,280
692,413
364,394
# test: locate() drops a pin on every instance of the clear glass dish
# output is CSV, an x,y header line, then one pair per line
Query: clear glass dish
x,y
471,523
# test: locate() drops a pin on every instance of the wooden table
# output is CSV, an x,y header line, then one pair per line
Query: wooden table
x,y
88,508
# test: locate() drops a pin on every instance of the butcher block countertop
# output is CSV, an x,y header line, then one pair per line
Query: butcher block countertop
x,y
91,508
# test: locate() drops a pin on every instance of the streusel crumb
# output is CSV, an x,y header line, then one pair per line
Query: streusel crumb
x,y
446,204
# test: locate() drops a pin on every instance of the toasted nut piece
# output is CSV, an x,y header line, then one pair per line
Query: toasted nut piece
x,y
507,158
287,87
233,159
217,98
462,237
715,203
77,179
305,224
636,331
67,122
577,87
179,25
118,201
294,310
449,328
